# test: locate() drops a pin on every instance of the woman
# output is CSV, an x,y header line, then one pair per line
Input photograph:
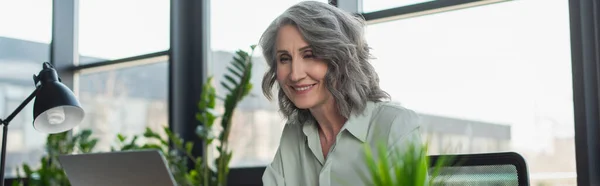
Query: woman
x,y
330,95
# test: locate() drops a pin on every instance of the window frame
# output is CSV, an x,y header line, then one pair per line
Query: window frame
x,y
585,55
585,43
585,39
421,9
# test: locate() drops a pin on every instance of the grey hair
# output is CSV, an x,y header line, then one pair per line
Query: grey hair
x,y
336,37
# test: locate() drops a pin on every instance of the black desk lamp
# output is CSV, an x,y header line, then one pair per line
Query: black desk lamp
x,y
55,109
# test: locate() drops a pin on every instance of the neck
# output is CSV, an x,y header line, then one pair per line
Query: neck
x,y
329,119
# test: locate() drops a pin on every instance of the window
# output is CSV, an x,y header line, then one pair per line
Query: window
x,y
376,5
124,100
257,124
24,45
115,29
487,79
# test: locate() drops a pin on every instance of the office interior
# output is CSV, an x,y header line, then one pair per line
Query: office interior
x,y
484,75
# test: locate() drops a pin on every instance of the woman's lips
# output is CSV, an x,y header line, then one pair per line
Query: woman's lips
x,y
302,89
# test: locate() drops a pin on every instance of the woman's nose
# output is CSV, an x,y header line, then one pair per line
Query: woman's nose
x,y
298,72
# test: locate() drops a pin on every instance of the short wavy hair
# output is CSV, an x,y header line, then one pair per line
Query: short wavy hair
x,y
337,37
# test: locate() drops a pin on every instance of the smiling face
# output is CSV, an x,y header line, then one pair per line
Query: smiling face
x,y
299,73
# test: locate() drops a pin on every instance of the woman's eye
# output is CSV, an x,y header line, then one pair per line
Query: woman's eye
x,y
308,55
284,59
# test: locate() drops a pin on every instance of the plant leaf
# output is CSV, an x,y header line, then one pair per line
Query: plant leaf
x,y
188,147
237,74
231,80
227,87
238,66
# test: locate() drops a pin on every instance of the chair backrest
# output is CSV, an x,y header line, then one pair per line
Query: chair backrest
x,y
497,169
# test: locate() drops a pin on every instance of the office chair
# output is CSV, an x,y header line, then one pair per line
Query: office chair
x,y
488,169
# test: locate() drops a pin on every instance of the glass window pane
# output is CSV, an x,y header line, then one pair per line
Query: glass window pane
x,y
487,79
376,5
114,29
124,100
257,125
25,35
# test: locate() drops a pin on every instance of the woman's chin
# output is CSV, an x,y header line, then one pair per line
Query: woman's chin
x,y
303,104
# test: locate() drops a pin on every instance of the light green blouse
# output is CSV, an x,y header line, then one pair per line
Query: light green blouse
x,y
299,159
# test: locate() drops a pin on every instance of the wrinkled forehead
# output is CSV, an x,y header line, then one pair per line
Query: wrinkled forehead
x,y
289,38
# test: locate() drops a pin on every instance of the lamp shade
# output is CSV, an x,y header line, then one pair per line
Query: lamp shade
x,y
55,108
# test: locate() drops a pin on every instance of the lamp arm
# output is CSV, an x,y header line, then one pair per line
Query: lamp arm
x,y
5,130
23,104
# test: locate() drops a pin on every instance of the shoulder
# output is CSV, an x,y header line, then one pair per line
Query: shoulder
x,y
397,119
394,111
291,134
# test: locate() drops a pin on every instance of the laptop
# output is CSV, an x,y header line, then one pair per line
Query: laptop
x,y
143,167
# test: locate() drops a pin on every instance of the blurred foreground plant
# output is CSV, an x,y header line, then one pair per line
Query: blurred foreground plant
x,y
410,167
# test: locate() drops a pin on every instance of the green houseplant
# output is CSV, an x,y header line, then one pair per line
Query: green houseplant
x,y
401,168
177,151
238,86
50,172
